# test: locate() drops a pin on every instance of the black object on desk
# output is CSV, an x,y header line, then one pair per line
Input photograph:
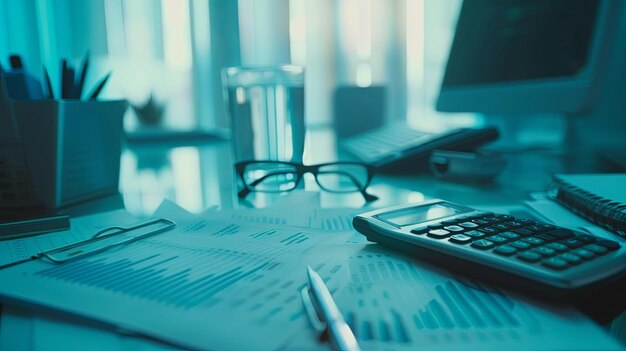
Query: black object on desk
x,y
99,87
22,227
398,147
466,166
73,81
599,198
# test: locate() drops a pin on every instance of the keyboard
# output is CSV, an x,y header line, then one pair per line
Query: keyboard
x,y
372,146
547,254
397,143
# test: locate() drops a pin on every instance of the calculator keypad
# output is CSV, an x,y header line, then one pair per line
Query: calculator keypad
x,y
519,239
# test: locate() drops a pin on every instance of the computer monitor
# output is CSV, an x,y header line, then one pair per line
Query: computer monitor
x,y
528,56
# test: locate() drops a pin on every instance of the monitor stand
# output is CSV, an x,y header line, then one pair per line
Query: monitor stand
x,y
600,133
585,142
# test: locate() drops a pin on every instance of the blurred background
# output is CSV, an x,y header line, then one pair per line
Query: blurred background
x,y
174,50
167,56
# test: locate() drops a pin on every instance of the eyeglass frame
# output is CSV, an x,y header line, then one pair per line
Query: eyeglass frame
x,y
301,170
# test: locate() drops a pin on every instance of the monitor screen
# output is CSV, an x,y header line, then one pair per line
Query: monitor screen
x,y
514,40
527,56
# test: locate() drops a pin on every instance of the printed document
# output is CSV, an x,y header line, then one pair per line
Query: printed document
x,y
81,228
203,285
393,302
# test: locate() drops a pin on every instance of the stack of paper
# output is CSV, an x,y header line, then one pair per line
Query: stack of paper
x,y
197,286
396,303
224,281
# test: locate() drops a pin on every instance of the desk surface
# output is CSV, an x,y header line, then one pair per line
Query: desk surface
x,y
201,176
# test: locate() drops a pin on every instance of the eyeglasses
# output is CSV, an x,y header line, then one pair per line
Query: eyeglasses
x,y
278,176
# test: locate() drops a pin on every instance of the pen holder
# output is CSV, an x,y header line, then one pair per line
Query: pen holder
x,y
71,152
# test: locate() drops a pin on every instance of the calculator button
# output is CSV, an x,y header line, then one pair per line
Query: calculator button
x,y
547,226
468,225
558,247
514,224
435,226
420,230
497,239
533,241
460,239
526,222
586,238
572,243
556,263
534,228
597,249
505,217
522,231
571,258
584,253
545,237
489,230
545,251
482,244
476,234
562,233
439,233
480,221
522,245
509,235
500,226
609,244
491,219
505,250
454,228
449,222
529,256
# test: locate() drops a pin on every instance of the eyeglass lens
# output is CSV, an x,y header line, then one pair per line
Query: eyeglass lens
x,y
342,177
276,177
270,177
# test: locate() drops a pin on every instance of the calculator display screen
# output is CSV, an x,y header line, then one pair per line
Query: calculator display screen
x,y
418,214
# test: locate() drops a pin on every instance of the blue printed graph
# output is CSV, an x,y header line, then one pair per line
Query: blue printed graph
x,y
296,238
166,278
453,305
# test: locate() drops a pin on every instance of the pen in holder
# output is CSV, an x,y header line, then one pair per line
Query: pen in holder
x,y
71,150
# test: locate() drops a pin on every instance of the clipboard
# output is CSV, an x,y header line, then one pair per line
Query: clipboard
x,y
105,239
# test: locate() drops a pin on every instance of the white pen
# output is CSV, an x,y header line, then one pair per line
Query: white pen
x,y
340,335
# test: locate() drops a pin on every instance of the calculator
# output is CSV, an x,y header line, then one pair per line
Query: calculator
x,y
521,252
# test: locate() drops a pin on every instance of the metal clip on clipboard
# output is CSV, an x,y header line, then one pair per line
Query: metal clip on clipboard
x,y
106,239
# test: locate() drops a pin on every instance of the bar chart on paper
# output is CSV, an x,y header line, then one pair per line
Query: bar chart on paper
x,y
187,273
396,304
319,218
199,272
164,278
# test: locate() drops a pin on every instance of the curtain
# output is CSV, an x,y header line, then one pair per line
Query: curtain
x,y
174,50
